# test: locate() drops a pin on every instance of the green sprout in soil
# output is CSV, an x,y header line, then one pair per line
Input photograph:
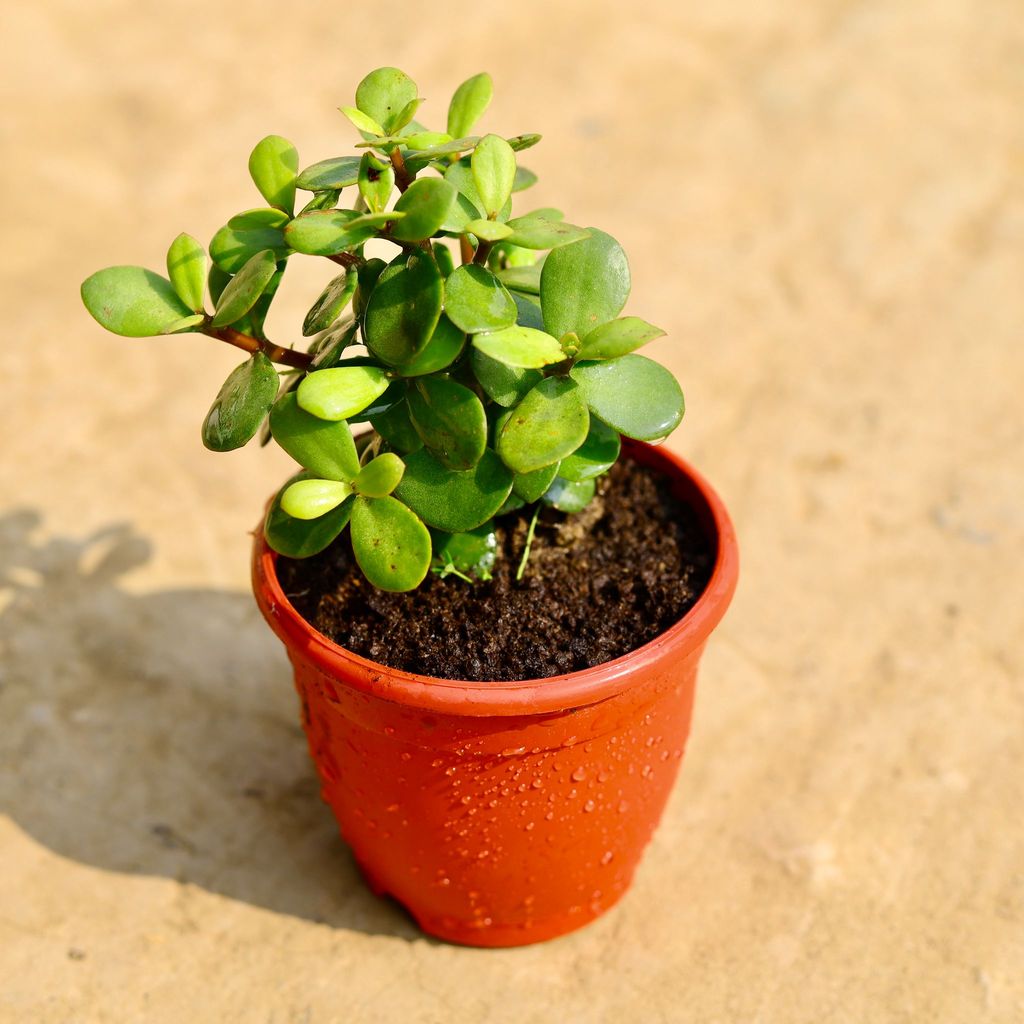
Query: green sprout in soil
x,y
500,382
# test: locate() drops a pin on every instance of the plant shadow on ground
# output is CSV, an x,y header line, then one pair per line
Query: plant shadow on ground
x,y
158,734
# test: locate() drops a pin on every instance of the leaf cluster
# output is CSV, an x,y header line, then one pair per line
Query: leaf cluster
x,y
486,364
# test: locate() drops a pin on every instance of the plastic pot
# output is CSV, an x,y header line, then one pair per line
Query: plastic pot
x,y
504,813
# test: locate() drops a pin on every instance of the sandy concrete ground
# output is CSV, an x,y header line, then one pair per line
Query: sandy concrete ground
x,y
824,204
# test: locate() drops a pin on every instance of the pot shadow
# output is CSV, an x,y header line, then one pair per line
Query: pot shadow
x,y
158,733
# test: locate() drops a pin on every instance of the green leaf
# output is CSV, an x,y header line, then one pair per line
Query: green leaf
x,y
633,394
332,343
310,499
618,337
394,395
550,423
405,115
451,500
298,538
530,486
232,247
537,233
569,496
404,308
362,121
383,95
494,172
217,280
186,323
244,399
333,299
324,200
342,391
461,213
245,288
503,384
391,544
430,142
327,232
444,347
396,428
376,181
450,420
474,551
523,180
274,165
425,203
379,477
259,217
521,142
326,449
595,456
528,312
336,173
522,279
520,346
368,273
584,285
186,267
445,262
132,301
488,230
468,104
475,300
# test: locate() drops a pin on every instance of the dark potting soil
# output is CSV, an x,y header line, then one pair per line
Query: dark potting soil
x,y
598,585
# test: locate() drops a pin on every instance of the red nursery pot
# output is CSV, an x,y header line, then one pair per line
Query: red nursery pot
x,y
505,813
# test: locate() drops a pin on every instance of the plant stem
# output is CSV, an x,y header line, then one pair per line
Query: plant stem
x,y
483,250
275,353
529,543
403,179
465,249
347,259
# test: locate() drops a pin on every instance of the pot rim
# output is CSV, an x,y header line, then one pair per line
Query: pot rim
x,y
530,696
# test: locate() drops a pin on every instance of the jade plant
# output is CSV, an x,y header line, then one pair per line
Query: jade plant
x,y
485,361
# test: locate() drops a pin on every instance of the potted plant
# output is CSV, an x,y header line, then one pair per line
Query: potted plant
x,y
497,731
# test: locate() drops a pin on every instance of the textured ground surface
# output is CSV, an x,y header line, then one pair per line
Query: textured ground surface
x,y
824,204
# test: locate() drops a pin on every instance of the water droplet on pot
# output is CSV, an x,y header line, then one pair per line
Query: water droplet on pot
x,y
392,808
389,730
406,756
623,807
513,751
607,857
579,775
536,784
589,806
528,827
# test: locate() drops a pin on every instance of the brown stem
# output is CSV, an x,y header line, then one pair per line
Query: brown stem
x,y
403,179
347,259
275,353
465,249
483,250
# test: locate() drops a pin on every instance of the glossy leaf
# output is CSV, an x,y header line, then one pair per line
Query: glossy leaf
x,y
393,395
245,288
186,267
132,301
474,551
425,203
396,428
445,262
476,301
520,346
336,173
550,423
326,199
244,399
403,309
503,384
217,280
461,213
333,299
298,538
460,174
444,347
528,312
342,391
452,500
232,247
530,486
632,394
522,279
376,182
468,104
362,121
259,217
450,420
274,166
595,456
310,499
326,449
537,233
451,147
379,477
430,142
523,180
383,95
488,230
494,172
584,285
391,544
332,344
327,232
568,496
521,142
405,115
185,324
618,338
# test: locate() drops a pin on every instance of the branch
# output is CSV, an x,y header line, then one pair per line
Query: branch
x,y
403,179
275,353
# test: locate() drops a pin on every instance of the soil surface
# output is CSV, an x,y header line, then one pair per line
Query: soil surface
x,y
598,585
